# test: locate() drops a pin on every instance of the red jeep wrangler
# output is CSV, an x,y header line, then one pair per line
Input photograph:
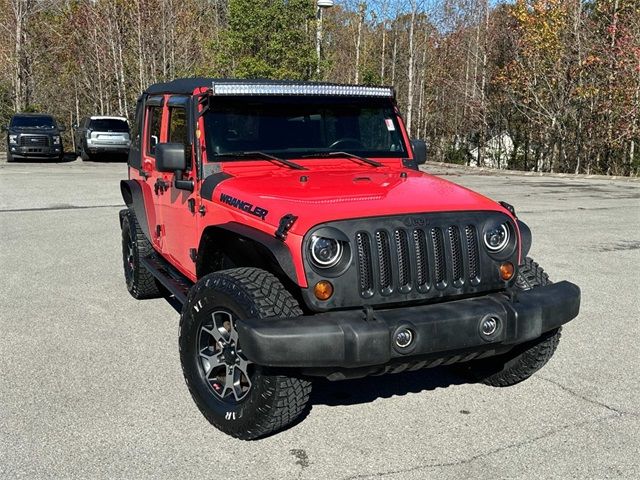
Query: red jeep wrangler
x,y
291,223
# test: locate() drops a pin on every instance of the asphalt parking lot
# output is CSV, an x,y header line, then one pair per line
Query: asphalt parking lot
x,y
91,385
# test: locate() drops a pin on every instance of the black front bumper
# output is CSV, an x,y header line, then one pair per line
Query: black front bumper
x,y
355,338
35,152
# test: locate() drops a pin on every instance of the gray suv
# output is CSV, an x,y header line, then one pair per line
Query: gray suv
x,y
102,135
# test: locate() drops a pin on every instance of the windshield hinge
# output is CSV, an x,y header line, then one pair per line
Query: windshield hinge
x,y
286,222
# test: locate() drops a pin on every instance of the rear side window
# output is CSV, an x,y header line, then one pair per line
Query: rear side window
x,y
109,125
178,126
154,116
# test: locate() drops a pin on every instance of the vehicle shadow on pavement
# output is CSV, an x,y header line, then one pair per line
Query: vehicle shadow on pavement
x,y
368,389
67,158
107,158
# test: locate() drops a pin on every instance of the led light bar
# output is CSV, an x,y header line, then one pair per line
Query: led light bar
x,y
301,89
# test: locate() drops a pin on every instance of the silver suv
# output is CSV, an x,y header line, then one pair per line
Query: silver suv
x,y
102,135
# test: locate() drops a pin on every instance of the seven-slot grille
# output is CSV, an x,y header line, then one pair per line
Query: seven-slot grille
x,y
405,259
34,140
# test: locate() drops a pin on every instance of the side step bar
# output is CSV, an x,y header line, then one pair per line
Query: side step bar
x,y
177,284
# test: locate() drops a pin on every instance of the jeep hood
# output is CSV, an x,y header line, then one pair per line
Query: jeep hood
x,y
318,196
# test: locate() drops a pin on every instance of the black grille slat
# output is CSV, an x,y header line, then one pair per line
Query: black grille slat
x,y
384,259
402,251
34,140
364,263
439,266
420,248
420,259
456,254
472,252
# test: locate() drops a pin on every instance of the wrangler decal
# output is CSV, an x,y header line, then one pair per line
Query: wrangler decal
x,y
244,206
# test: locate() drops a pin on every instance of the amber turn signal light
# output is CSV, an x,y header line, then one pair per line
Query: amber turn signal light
x,y
507,271
323,290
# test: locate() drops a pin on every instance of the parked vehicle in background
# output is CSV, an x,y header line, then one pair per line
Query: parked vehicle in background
x,y
32,136
101,135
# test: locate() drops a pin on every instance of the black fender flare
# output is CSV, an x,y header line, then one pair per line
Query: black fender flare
x,y
278,249
134,199
525,238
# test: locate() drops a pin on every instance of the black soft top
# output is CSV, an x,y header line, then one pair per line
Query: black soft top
x,y
186,86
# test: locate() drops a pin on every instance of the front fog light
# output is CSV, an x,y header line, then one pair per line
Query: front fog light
x,y
489,326
403,337
496,238
325,252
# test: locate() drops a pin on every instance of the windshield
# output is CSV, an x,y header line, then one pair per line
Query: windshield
x,y
109,125
294,127
33,121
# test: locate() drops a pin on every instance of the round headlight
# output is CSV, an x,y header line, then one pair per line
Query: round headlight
x,y
325,252
497,237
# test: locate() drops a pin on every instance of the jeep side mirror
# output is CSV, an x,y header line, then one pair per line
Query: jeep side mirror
x,y
419,148
171,157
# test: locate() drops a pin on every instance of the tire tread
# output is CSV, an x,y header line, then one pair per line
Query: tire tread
x,y
145,285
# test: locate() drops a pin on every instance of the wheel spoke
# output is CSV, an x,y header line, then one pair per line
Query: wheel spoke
x,y
242,367
211,361
237,387
219,319
229,382
215,333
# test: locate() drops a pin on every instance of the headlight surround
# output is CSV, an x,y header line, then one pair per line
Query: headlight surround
x,y
497,237
13,139
56,139
325,252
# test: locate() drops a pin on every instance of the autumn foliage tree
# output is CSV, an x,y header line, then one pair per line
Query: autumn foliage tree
x,y
548,85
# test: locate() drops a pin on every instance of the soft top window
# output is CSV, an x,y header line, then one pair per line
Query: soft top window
x,y
109,125
42,121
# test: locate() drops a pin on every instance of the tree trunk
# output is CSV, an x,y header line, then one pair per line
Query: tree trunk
x,y
411,62
361,12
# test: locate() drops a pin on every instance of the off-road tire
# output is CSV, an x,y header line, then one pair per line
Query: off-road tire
x,y
9,156
274,400
526,359
84,156
140,283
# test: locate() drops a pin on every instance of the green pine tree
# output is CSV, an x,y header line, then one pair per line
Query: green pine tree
x,y
268,39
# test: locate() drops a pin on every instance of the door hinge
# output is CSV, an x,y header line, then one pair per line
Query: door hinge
x,y
193,254
160,186
202,210
191,205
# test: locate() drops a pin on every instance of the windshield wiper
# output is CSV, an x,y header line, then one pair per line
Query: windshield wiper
x,y
245,155
351,156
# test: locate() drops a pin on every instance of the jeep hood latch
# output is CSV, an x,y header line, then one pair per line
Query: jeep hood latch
x,y
286,222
